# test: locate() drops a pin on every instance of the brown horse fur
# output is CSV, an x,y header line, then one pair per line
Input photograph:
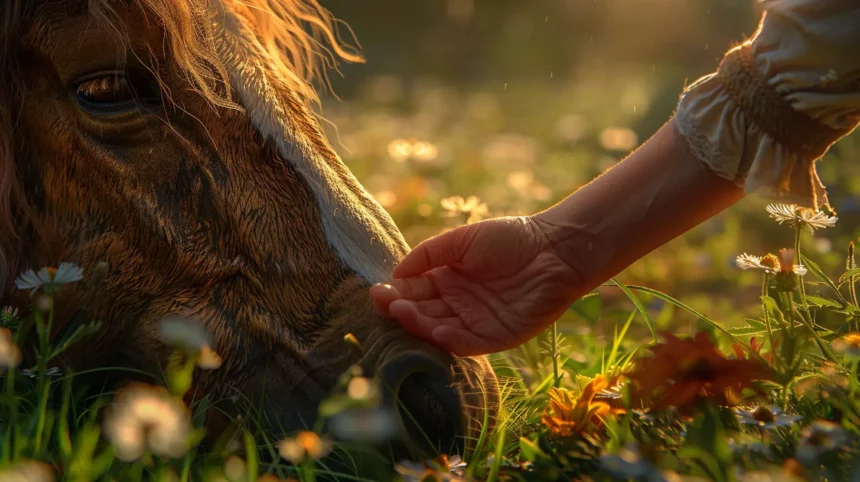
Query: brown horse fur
x,y
215,196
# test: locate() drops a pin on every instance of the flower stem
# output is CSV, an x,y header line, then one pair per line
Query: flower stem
x,y
44,383
853,289
9,451
764,283
797,258
853,386
309,473
554,354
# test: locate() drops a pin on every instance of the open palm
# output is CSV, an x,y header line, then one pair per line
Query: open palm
x,y
480,288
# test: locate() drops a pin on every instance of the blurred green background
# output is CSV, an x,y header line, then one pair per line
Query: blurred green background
x,y
519,102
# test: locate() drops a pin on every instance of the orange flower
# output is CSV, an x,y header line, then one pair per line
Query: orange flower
x,y
568,414
756,347
682,372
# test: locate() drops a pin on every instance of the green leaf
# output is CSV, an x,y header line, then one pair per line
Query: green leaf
x,y
251,462
846,276
706,433
199,417
816,270
619,337
589,307
821,301
530,450
64,438
747,331
772,307
79,334
498,455
180,376
101,464
335,405
78,319
639,306
754,327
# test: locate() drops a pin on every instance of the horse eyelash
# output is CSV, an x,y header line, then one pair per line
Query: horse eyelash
x,y
101,84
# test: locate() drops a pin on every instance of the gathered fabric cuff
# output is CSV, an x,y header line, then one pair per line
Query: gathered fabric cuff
x,y
777,103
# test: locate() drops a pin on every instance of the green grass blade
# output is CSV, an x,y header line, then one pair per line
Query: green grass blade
x,y
704,318
639,306
816,270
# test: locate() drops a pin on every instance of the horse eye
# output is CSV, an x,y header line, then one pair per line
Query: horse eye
x,y
109,89
112,93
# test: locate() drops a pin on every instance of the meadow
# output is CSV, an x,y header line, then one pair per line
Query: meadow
x,y
749,325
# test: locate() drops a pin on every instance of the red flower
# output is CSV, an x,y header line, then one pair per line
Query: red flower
x,y
683,372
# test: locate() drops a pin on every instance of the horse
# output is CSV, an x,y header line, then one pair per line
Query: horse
x,y
178,145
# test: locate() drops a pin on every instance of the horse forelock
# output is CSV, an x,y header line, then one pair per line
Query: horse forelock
x,y
268,53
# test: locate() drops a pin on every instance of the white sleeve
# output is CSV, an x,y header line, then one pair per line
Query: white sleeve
x,y
779,100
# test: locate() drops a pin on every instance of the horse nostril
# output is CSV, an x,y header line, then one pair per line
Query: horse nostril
x,y
427,405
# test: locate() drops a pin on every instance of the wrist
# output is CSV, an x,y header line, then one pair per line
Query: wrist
x,y
586,240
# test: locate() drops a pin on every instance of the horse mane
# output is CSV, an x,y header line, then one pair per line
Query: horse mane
x,y
300,40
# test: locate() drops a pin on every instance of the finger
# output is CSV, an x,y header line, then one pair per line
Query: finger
x,y
439,251
416,323
462,342
435,309
382,295
416,289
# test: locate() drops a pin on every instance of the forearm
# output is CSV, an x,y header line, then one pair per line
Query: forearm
x,y
657,193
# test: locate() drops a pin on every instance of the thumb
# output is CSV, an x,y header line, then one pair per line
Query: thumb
x,y
442,250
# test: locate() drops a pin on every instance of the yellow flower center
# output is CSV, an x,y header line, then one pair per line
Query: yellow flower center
x,y
52,272
770,261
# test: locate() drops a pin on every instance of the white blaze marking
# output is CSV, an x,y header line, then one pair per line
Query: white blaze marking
x,y
356,227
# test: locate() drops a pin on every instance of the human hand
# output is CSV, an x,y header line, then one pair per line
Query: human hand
x,y
481,288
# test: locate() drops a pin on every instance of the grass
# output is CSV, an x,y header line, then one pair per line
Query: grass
x,y
796,327
779,400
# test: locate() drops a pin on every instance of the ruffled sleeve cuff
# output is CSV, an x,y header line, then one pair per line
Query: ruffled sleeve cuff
x,y
779,101
719,135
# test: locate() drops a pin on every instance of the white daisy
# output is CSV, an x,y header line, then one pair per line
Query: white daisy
x,y
49,278
368,425
766,417
27,471
796,216
770,263
471,208
144,417
184,333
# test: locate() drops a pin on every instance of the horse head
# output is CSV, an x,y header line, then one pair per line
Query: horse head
x,y
175,142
